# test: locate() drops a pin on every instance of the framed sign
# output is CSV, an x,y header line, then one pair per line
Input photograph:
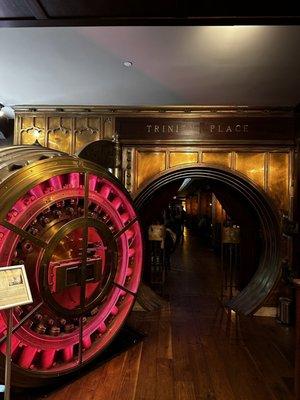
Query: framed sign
x,y
14,287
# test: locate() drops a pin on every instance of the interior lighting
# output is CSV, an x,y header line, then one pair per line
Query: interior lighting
x,y
128,64
36,133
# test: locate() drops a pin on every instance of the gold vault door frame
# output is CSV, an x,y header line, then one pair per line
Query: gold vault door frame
x,y
269,269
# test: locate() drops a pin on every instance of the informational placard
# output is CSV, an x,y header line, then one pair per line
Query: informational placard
x,y
14,287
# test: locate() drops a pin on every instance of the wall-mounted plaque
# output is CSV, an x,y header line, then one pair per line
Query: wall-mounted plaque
x,y
245,128
14,287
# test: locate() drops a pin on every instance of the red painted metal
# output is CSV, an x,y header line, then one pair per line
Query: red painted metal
x,y
48,343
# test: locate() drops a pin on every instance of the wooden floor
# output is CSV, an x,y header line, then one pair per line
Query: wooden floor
x,y
194,348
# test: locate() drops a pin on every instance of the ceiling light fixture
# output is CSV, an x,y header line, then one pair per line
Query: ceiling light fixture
x,y
128,63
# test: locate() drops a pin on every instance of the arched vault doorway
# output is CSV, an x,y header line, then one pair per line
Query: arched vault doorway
x,y
269,268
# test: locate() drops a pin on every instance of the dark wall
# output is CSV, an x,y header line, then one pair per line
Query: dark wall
x,y
6,131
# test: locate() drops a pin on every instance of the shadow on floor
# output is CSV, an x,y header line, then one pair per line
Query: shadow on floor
x,y
126,338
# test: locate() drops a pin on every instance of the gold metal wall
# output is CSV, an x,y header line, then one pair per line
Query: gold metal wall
x,y
149,164
216,158
269,169
252,165
278,178
180,158
62,131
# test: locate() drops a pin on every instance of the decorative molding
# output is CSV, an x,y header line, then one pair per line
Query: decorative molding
x,y
163,111
109,127
62,131
128,168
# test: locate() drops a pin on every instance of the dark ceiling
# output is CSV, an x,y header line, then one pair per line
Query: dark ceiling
x,y
49,13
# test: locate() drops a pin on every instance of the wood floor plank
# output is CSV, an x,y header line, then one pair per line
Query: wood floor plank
x,y
165,379
203,384
164,345
109,379
195,349
217,371
184,391
246,380
147,377
58,394
181,360
129,374
266,358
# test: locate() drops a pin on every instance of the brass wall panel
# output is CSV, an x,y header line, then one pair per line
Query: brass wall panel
x,y
60,133
94,123
40,122
216,158
149,163
27,122
252,165
108,128
27,136
65,132
32,129
71,130
278,179
179,158
86,130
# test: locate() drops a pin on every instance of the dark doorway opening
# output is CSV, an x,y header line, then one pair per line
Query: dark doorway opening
x,y
246,209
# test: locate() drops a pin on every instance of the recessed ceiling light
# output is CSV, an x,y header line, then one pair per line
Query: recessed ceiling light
x,y
127,63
